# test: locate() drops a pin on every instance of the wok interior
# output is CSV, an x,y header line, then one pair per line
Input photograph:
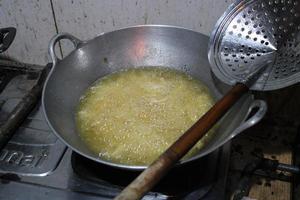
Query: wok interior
x,y
171,47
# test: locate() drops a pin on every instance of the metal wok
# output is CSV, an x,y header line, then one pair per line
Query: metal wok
x,y
154,45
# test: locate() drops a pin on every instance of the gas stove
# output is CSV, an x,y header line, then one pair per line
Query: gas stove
x,y
34,164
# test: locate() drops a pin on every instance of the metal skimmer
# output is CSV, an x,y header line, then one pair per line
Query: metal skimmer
x,y
253,33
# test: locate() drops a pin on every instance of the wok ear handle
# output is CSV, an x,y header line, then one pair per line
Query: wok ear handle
x,y
76,42
252,117
153,174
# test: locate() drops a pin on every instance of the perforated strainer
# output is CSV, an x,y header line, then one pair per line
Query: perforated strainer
x,y
253,33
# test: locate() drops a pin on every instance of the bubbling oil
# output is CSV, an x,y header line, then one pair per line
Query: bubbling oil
x,y
131,117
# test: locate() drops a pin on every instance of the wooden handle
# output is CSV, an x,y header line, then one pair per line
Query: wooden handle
x,y
152,175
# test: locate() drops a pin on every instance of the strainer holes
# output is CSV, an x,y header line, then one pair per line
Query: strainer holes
x,y
233,55
276,1
229,65
249,48
263,31
249,11
296,14
249,32
270,3
248,54
267,43
255,39
296,3
244,16
241,50
252,18
236,60
225,48
247,37
242,57
257,32
234,26
227,60
252,58
233,69
260,25
245,61
238,21
264,51
225,54
246,22
262,41
243,46
258,54
283,8
275,10
258,16
242,29
230,33
255,26
265,36
239,35
256,50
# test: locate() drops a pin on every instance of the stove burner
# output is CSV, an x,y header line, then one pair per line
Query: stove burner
x,y
20,87
197,177
33,149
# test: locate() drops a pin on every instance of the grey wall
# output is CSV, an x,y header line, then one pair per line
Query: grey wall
x,y
38,20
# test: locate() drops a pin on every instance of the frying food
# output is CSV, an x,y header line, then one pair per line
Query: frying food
x,y
131,117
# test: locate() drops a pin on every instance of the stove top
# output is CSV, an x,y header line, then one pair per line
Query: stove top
x,y
36,165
